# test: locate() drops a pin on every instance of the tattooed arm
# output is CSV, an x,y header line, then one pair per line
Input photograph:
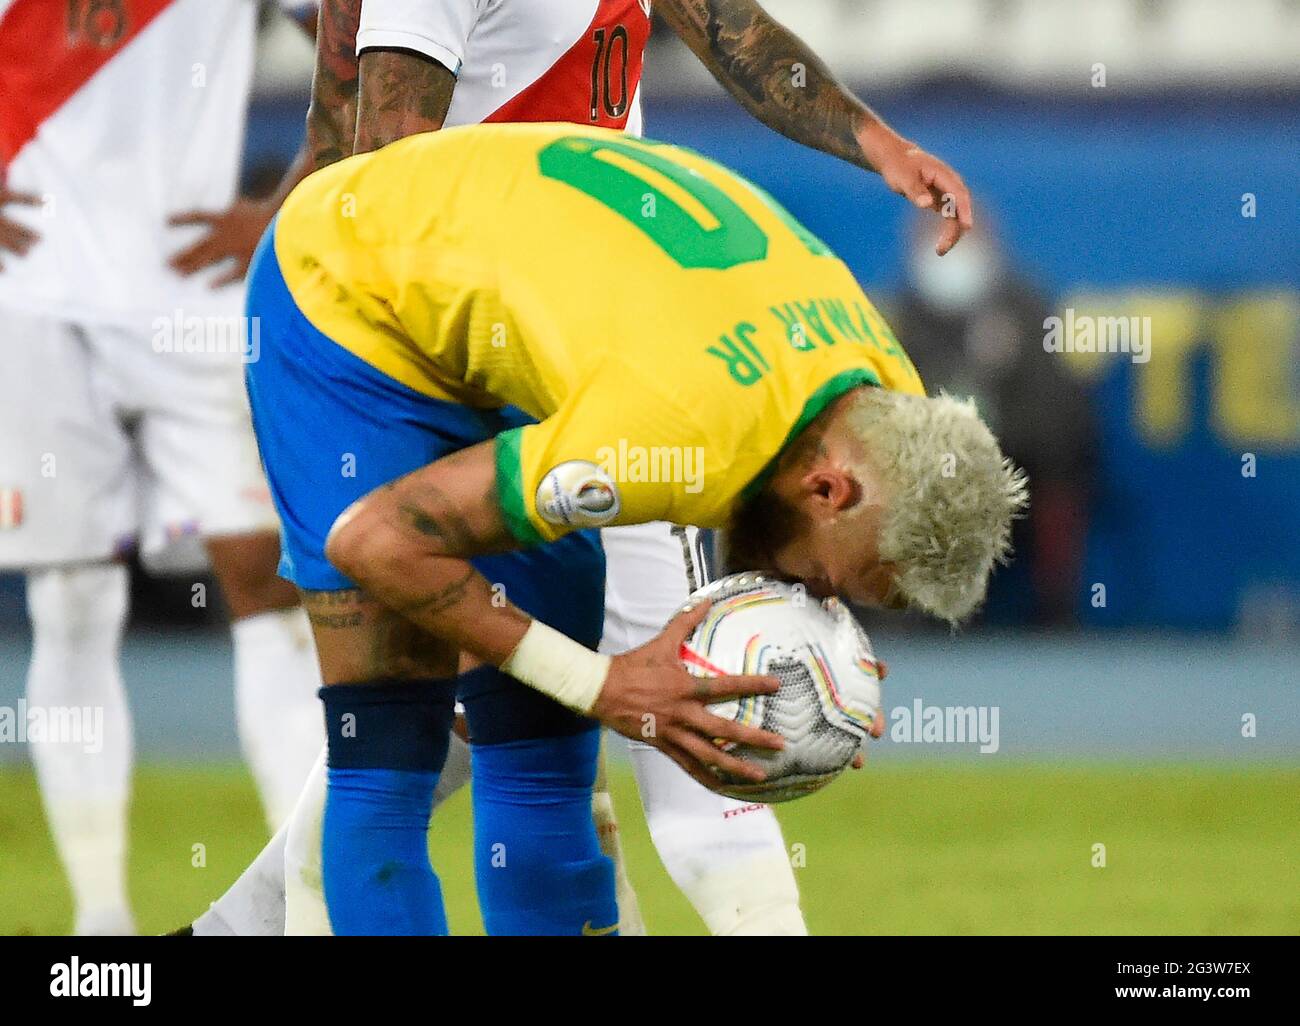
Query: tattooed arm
x,y
361,105
401,93
408,546
332,116
775,77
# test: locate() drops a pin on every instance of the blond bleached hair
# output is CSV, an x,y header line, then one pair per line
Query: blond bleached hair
x,y
952,495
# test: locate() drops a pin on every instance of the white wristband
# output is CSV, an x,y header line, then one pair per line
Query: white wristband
x,y
558,666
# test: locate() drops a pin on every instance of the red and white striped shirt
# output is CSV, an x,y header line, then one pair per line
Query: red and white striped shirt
x,y
120,113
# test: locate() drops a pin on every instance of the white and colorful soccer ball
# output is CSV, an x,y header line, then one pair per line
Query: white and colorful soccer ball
x,y
830,684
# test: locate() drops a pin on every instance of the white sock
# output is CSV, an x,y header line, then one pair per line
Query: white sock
x,y
281,728
304,890
305,914
754,898
630,923
455,771
254,904
728,857
281,891
78,615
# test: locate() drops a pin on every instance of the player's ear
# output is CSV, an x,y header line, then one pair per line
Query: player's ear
x,y
831,489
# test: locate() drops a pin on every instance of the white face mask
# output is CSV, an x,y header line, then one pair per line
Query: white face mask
x,y
955,282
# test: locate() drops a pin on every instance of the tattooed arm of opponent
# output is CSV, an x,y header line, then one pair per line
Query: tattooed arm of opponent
x,y
779,80
332,116
401,93
356,106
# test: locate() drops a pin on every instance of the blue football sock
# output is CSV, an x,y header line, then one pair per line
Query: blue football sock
x,y
538,863
387,743
375,855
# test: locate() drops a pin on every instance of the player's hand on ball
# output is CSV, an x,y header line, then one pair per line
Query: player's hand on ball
x,y
877,721
14,237
231,234
923,179
649,696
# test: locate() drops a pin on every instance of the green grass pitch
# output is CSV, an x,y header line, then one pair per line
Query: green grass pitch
x,y
903,849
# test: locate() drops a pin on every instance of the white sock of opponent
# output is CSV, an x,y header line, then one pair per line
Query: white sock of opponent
x,y
630,923
281,892
254,904
276,708
304,891
305,914
728,857
78,615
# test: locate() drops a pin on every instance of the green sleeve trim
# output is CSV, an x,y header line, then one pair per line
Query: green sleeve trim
x,y
510,488
843,382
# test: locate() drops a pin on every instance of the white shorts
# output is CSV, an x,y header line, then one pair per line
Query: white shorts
x,y
650,570
106,443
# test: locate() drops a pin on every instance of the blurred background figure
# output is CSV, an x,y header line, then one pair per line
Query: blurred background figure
x,y
123,422
974,325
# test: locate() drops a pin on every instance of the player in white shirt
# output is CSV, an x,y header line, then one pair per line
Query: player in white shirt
x,y
426,64
123,420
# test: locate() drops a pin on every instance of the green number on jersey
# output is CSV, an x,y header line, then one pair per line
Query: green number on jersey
x,y
733,238
599,168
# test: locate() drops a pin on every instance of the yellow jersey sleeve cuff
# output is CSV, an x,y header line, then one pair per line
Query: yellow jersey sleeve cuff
x,y
510,488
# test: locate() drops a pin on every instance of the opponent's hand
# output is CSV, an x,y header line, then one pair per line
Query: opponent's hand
x,y
231,234
648,696
14,237
923,179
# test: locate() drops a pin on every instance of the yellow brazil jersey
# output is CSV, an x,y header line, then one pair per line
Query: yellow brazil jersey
x,y
668,324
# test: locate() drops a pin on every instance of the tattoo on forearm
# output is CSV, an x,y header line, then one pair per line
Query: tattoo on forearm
x,y
771,72
332,117
401,93
440,599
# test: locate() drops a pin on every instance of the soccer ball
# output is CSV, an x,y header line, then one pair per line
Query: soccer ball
x,y
830,686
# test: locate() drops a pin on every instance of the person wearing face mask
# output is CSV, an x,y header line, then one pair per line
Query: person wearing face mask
x,y
974,326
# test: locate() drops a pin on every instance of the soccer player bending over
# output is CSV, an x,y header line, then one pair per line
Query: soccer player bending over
x,y
406,297
437,63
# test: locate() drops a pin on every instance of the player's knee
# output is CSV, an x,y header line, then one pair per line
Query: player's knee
x,y
533,788
77,604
